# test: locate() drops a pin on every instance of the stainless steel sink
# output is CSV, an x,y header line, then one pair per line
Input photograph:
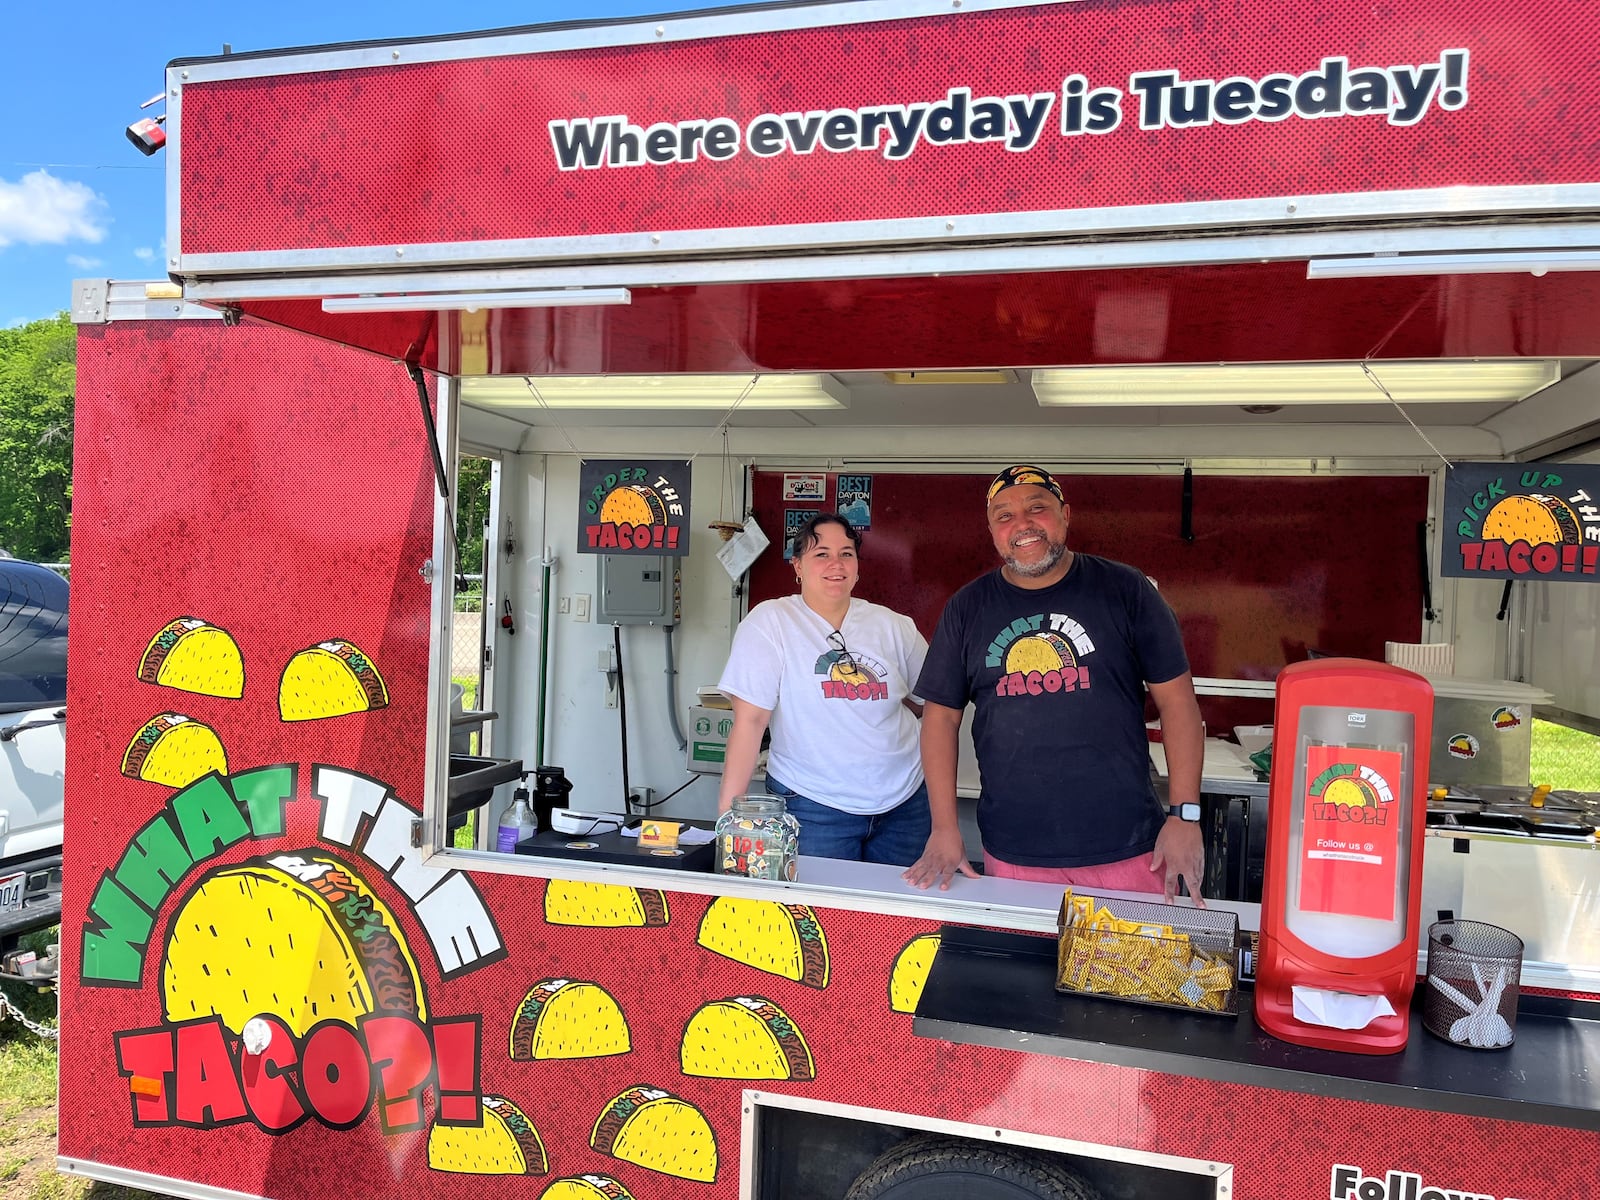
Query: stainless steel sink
x,y
473,779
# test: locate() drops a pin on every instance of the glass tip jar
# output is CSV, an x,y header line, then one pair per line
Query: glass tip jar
x,y
758,838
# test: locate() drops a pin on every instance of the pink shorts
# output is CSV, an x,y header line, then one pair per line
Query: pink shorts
x,y
1129,875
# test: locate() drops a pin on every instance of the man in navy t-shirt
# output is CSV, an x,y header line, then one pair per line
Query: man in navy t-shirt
x,y
1055,650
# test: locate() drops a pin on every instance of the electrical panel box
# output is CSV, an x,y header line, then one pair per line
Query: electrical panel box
x,y
638,589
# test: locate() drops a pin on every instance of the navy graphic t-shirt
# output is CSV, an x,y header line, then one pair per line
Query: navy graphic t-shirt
x,y
1057,678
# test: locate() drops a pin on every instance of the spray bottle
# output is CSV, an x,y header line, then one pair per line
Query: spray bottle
x,y
517,821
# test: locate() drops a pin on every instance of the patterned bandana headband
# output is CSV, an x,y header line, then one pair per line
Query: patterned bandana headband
x,y
1023,474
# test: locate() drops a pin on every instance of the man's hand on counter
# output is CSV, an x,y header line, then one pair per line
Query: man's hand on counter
x,y
945,855
1180,851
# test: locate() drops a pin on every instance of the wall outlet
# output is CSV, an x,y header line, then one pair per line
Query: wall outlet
x,y
580,608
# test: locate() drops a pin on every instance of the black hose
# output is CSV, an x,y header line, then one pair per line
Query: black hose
x,y
1427,582
1186,520
622,715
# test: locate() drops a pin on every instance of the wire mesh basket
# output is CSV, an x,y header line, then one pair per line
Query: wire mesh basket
x,y
1183,958
1474,980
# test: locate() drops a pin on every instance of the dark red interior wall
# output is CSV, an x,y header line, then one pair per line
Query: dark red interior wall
x,y
1278,566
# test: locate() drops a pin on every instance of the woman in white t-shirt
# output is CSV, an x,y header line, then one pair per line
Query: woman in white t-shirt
x,y
832,676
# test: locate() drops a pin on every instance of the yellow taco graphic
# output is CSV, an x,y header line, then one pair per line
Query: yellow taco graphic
x,y
586,1187
506,1144
1039,652
568,1018
605,905
1349,792
633,505
910,972
330,679
847,670
173,749
1537,520
781,939
656,1130
301,936
193,655
745,1037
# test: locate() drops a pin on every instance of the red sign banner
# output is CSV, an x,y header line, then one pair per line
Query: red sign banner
x,y
775,130
1351,850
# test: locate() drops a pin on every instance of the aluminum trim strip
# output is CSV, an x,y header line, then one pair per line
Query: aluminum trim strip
x,y
233,279
1443,203
146,1180
656,30
1101,1151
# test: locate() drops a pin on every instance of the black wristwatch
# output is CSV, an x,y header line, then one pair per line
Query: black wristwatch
x,y
1188,812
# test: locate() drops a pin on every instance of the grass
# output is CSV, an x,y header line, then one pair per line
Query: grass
x,y
28,1106
1565,757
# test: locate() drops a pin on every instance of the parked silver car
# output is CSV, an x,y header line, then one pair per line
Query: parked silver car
x,y
33,695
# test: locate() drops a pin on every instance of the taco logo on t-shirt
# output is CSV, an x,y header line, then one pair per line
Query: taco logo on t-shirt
x,y
852,676
1036,660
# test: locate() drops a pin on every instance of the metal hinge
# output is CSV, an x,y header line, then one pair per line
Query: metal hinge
x,y
416,835
426,570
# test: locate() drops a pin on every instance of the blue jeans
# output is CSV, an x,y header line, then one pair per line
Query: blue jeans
x,y
898,836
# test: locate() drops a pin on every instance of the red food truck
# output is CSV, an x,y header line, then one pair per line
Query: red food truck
x,y
1258,282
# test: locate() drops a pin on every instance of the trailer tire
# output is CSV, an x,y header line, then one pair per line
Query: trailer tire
x,y
932,1167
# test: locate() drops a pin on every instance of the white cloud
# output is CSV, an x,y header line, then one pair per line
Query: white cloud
x,y
82,263
39,208
144,253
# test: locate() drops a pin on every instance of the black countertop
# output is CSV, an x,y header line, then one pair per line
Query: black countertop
x,y
998,989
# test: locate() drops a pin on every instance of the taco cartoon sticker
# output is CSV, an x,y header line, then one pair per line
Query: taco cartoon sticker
x,y
603,905
568,1018
1461,745
745,1037
909,974
173,749
305,919
656,1130
330,679
193,655
506,1144
781,939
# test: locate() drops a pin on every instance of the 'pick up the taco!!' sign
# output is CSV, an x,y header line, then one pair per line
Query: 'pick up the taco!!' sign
x,y
633,506
1522,521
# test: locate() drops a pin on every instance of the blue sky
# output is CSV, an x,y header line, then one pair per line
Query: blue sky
x,y
76,198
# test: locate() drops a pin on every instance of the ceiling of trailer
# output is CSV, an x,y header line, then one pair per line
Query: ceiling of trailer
x,y
857,330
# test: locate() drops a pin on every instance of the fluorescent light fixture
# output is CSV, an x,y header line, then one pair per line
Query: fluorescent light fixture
x,y
472,301
949,377
656,391
1441,381
1514,262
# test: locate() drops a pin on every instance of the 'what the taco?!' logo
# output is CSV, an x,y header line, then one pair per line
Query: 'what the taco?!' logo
x,y
847,675
1543,525
1036,660
1351,794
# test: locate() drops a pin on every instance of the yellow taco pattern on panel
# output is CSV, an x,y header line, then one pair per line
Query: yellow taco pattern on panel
x,y
173,749
658,1131
633,504
193,655
1537,520
568,1018
330,679
303,938
745,1037
603,905
781,939
506,1144
910,972
586,1187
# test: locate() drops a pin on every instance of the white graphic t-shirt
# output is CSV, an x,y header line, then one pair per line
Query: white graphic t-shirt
x,y
840,734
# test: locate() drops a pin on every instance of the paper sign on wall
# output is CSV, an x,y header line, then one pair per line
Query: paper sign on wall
x,y
801,488
853,499
793,518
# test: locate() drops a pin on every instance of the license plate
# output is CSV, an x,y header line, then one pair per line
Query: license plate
x,y
11,891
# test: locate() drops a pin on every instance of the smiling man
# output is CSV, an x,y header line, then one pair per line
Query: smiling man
x,y
1055,651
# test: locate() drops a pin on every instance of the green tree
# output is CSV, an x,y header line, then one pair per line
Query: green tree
x,y
38,370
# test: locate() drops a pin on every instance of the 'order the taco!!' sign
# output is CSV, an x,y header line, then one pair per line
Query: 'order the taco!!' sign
x,y
1522,521
633,506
